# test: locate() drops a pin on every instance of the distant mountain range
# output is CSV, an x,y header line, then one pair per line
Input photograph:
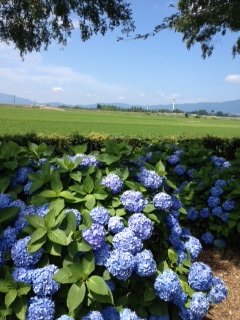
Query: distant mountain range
x,y
230,107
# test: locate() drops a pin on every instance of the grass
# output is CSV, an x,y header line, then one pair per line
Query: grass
x,y
22,120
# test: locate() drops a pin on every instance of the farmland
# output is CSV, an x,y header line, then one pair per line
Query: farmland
x,y
22,120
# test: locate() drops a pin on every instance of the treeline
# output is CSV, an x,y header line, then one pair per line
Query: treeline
x,y
135,109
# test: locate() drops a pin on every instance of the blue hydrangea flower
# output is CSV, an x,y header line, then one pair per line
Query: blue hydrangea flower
x,y
5,200
218,291
95,236
133,201
141,226
224,217
217,211
216,191
167,285
100,215
204,213
171,220
180,299
207,238
228,205
194,246
173,159
42,281
145,264
200,276
115,224
121,264
150,179
176,203
20,255
8,238
175,241
77,215
40,309
213,201
110,284
162,201
220,183
219,243
192,214
65,317
18,203
22,174
226,164
179,170
199,304
26,188
86,161
101,255
186,233
113,182
21,274
110,313
186,314
181,256
93,315
127,314
176,229
126,240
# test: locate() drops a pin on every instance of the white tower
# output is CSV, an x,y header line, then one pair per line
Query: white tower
x,y
173,104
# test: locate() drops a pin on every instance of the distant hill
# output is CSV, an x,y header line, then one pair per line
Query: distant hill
x,y
232,107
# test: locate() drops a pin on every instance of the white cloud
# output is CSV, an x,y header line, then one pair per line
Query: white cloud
x,y
57,89
142,95
234,78
121,98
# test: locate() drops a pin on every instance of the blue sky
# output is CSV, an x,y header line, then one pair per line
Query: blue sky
x,y
137,72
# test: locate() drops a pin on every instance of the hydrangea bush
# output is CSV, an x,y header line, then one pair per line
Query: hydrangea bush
x,y
113,234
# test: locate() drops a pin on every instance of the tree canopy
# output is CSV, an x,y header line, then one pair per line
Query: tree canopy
x,y
31,24
200,20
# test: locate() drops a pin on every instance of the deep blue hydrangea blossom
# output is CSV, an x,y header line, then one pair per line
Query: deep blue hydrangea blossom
x,y
145,264
20,255
220,183
93,315
199,304
217,211
200,276
127,314
218,291
186,314
191,173
22,174
121,264
5,200
86,161
194,246
77,215
207,238
42,281
126,240
192,214
26,188
176,203
173,159
167,285
224,217
150,179
101,255
18,203
228,205
175,241
216,191
171,220
179,170
133,201
110,313
110,284
8,238
113,182
181,256
162,201
95,236
141,226
100,215
213,201
204,213
21,274
115,224
219,243
40,309
65,317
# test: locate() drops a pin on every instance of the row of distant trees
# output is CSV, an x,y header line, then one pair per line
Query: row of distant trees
x,y
201,112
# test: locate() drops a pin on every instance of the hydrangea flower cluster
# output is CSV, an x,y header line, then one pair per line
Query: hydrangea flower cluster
x,y
42,281
77,215
133,201
95,236
115,224
40,308
100,215
113,182
162,201
179,170
150,179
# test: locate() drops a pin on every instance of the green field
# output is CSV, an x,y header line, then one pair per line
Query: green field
x,y
22,120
